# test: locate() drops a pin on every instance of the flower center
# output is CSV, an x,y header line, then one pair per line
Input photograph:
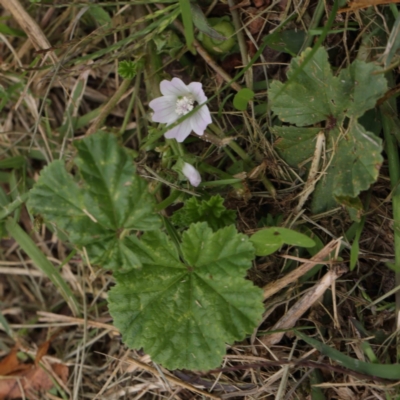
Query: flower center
x,y
184,104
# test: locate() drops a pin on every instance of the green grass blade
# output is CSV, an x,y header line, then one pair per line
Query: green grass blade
x,y
187,22
155,27
390,371
393,43
6,30
5,325
11,207
41,262
355,247
13,162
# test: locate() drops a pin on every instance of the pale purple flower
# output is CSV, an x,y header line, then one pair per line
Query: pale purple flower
x,y
192,174
177,100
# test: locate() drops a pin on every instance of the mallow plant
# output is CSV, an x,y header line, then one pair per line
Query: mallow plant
x,y
180,293
315,100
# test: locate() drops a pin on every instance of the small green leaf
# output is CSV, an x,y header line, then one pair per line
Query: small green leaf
x,y
211,211
127,69
289,41
267,241
183,311
242,98
100,15
100,213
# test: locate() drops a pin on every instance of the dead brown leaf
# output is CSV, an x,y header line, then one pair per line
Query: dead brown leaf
x,y
25,383
42,351
23,380
256,22
9,363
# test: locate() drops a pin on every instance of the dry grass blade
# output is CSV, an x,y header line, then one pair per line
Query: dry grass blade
x,y
50,317
29,25
360,4
171,379
313,177
276,286
298,309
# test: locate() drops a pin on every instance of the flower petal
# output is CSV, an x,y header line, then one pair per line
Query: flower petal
x,y
174,88
192,174
200,120
196,88
180,132
164,109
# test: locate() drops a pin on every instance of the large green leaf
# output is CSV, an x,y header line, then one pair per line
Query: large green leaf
x,y
354,167
315,95
359,156
295,145
183,310
307,98
100,212
360,86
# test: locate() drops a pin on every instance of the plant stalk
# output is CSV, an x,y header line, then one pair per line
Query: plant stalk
x,y
392,152
108,107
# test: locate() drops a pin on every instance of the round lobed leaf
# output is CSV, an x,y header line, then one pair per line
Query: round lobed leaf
x,y
112,199
242,98
183,311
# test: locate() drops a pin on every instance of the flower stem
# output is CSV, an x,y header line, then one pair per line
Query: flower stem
x,y
245,157
131,102
108,107
168,201
241,42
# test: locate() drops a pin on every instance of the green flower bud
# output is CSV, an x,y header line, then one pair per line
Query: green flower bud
x,y
225,28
